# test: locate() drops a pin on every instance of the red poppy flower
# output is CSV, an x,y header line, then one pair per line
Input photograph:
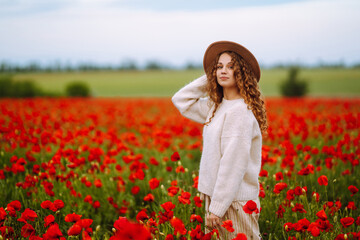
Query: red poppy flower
x,y
172,191
228,225
46,204
305,171
198,201
313,229
178,226
135,190
29,215
196,182
299,208
323,180
96,204
168,206
74,230
279,187
49,220
298,191
175,157
98,183
288,226
2,214
263,173
59,204
279,176
7,232
197,234
358,221
316,196
149,198
351,205
195,217
180,169
154,183
88,199
280,212
240,236
73,217
301,225
16,205
353,189
84,223
2,175
153,161
53,232
184,198
128,230
347,221
322,215
250,207
27,230
142,215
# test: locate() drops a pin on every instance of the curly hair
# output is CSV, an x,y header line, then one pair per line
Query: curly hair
x,y
247,85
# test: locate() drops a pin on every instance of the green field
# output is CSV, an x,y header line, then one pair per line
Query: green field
x,y
322,82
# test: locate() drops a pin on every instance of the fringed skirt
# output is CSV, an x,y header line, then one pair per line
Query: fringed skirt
x,y
242,222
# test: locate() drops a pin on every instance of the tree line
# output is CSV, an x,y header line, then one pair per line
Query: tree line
x,y
7,67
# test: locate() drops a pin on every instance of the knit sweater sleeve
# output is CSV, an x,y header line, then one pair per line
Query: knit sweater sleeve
x,y
235,155
190,102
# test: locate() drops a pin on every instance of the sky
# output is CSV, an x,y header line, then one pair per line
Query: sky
x,y
177,32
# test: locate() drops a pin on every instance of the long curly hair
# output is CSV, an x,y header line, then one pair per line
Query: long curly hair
x,y
248,88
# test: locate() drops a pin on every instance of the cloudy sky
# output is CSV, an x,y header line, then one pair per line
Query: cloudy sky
x,y
175,32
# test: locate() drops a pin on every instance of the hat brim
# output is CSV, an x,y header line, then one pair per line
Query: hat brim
x,y
221,46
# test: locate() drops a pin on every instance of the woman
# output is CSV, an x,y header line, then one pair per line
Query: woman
x,y
234,119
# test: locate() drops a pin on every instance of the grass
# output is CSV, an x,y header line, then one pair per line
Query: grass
x,y
322,82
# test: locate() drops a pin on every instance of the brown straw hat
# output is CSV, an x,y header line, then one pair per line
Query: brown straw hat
x,y
221,46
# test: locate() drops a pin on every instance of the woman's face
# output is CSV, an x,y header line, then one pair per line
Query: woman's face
x,y
225,71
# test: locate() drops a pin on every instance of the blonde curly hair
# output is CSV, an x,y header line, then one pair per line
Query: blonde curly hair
x,y
247,85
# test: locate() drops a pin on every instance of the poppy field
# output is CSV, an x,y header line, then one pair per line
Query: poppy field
x,y
127,168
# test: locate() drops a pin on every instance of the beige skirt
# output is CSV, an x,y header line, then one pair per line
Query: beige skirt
x,y
242,222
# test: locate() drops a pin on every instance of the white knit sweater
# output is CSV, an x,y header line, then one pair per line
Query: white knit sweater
x,y
231,156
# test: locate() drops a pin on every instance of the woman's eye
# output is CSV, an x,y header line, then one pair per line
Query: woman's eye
x,y
219,67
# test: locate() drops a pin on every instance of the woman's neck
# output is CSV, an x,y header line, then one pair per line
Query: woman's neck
x,y
231,93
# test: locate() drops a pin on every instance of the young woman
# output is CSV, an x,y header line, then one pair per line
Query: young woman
x,y
228,102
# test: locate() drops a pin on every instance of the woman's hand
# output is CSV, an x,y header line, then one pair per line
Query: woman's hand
x,y
212,220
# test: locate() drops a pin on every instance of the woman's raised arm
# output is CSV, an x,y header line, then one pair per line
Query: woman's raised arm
x,y
190,100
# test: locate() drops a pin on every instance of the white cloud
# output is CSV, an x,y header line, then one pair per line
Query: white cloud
x,y
302,31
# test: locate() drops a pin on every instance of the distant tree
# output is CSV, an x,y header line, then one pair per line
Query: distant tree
x,y
77,89
292,86
153,65
5,86
191,66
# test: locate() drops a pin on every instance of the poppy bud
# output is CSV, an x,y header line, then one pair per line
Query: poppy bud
x,y
345,236
114,230
334,180
97,228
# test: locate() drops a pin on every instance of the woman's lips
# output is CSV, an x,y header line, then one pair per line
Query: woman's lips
x,y
223,78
